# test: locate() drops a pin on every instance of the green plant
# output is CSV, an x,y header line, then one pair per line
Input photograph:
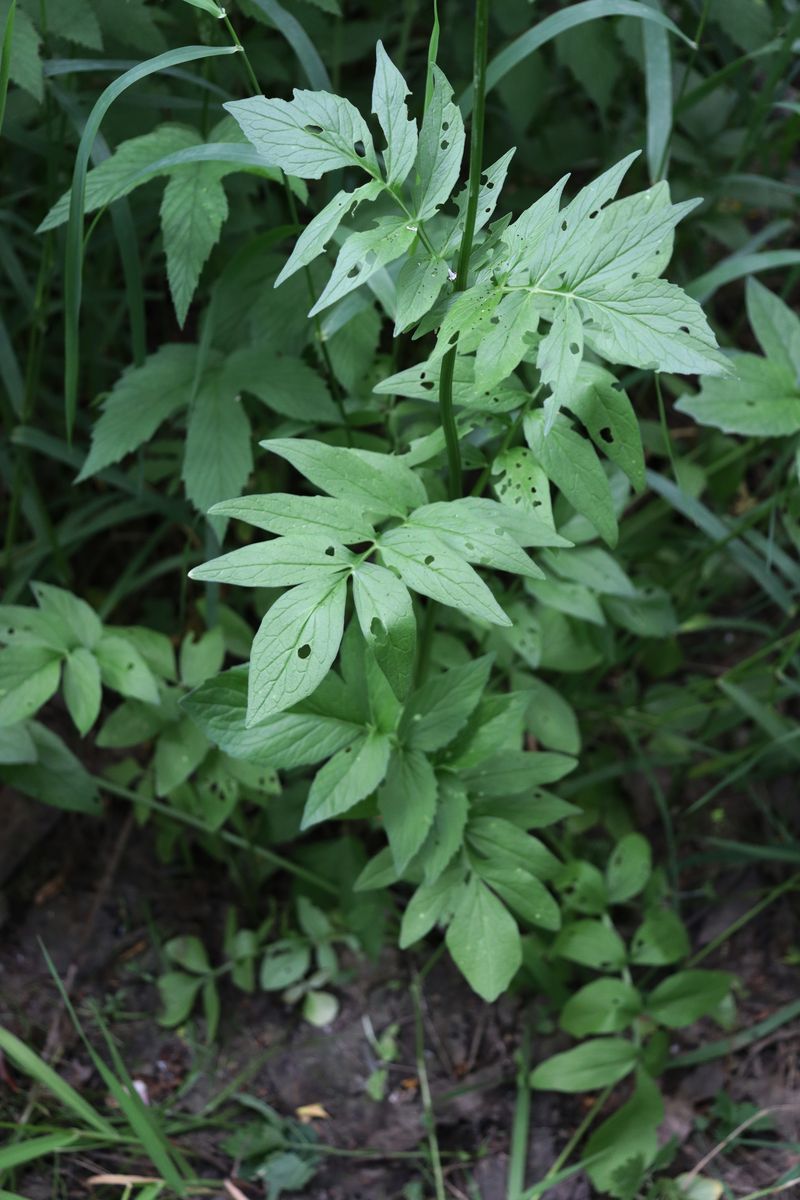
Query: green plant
x,y
491,556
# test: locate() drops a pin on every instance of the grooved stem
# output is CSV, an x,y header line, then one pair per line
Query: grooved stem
x,y
462,269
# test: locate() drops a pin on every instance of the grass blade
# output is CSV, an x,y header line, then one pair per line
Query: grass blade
x,y
658,87
74,250
718,531
552,26
737,266
5,59
30,1063
300,42
24,1152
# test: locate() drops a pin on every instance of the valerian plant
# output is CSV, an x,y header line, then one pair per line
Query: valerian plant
x,y
376,568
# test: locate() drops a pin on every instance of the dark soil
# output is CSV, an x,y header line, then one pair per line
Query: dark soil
x,y
102,919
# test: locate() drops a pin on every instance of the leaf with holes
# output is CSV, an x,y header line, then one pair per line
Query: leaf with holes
x,y
441,148
571,463
386,615
279,562
379,484
362,255
313,133
605,411
760,399
282,513
295,646
389,91
476,534
321,228
428,565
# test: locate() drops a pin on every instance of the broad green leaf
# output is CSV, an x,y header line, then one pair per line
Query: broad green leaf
x,y
362,255
178,993
407,803
284,741
285,514
506,845
550,718
660,939
431,903
29,675
686,996
630,1134
313,133
443,705
516,771
180,750
189,953
497,724
386,616
605,411
132,723
775,325
141,400
379,484
284,964
583,888
628,868
484,941
507,340
350,776
278,562
559,358
603,1006
761,398
321,228
202,657
218,458
112,178
319,1009
286,385
528,812
595,1064
389,91
591,566
648,613
428,565
56,777
193,210
441,147
72,613
446,837
378,873
295,646
124,670
522,486
592,944
570,598
24,625
523,893
25,64
82,688
419,283
16,744
571,463
477,533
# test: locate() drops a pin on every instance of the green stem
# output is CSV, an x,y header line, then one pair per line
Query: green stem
x,y
290,202
585,1124
232,839
429,1119
465,250
520,1130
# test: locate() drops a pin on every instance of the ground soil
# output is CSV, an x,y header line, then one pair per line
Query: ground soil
x,y
100,901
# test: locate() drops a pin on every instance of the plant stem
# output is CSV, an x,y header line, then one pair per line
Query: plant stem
x,y
465,250
232,839
290,202
520,1130
429,1120
585,1124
